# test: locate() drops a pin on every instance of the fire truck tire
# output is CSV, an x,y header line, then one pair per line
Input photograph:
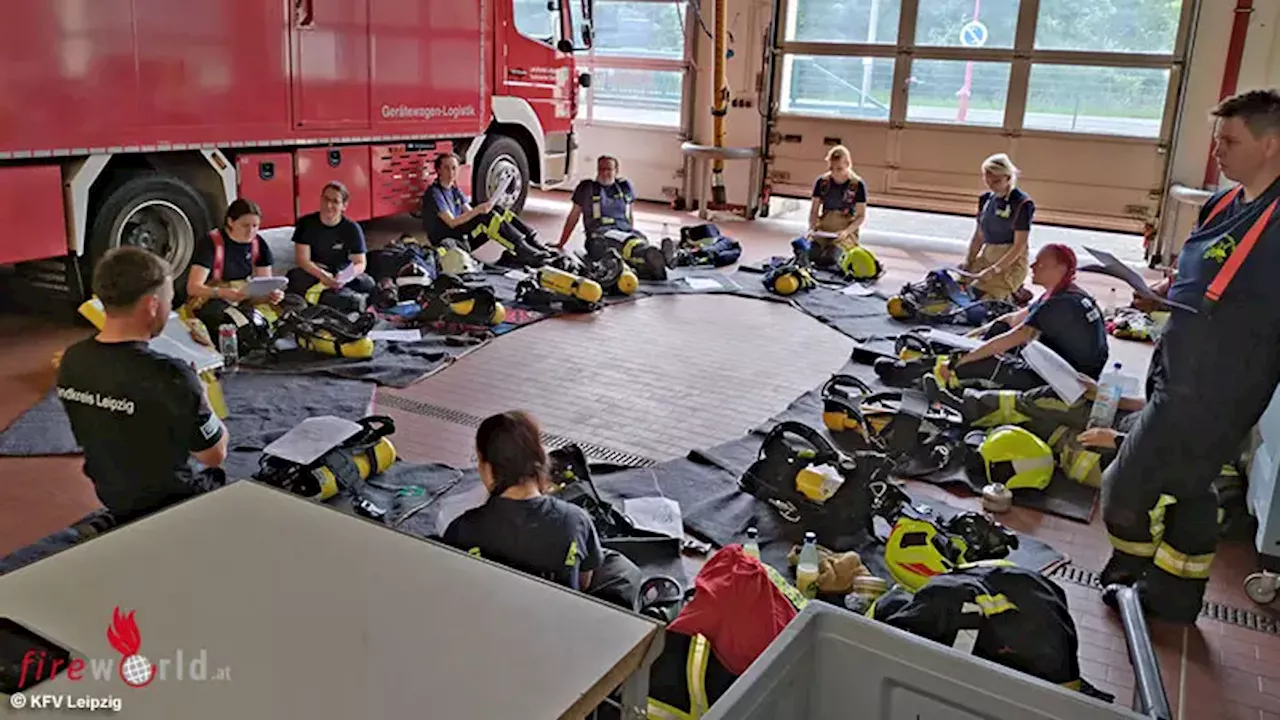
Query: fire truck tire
x,y
155,211
501,156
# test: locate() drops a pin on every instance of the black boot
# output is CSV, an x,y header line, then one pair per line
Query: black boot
x,y
669,252
939,395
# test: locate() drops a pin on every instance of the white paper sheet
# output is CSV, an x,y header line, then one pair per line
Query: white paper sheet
x,y
516,275
176,342
655,514
312,438
1063,378
258,288
962,342
346,274
857,290
1111,265
698,283
451,507
396,335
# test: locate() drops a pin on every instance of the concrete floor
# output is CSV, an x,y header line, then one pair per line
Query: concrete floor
x,y
662,376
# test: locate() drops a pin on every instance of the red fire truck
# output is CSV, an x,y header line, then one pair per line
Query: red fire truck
x,y
135,122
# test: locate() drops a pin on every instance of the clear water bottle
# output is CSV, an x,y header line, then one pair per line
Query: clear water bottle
x,y
666,230
228,345
807,567
751,546
1110,387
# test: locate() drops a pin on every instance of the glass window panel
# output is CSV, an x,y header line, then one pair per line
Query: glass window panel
x,y
951,23
958,92
535,21
844,87
1126,26
842,21
637,97
639,29
1097,100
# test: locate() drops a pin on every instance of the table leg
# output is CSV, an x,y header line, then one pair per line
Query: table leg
x,y
635,691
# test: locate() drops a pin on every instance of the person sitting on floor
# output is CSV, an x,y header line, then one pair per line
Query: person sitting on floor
x,y
998,249
839,206
222,263
141,417
523,528
330,251
448,214
605,204
1065,318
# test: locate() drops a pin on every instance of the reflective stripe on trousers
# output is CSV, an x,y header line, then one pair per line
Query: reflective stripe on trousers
x,y
695,671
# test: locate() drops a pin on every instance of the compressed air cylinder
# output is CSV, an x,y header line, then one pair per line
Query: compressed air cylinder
x,y
570,285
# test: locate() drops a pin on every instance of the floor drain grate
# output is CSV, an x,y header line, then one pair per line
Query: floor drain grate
x,y
1248,619
599,453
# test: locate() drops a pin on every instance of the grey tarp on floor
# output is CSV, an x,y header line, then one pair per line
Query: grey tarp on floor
x,y
262,409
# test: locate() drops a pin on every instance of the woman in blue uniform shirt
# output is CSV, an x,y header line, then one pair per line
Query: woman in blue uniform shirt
x,y
839,206
998,249
1065,318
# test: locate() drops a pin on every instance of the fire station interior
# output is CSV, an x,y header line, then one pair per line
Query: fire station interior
x,y
827,445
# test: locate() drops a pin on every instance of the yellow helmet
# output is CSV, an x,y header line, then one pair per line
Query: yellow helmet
x,y
859,263
912,553
1017,458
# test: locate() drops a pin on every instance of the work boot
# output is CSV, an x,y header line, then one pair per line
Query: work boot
x,y
1123,570
1177,605
902,373
939,395
653,265
669,252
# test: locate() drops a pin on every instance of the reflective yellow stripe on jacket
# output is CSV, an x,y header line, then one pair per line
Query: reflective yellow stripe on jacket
x,y
695,670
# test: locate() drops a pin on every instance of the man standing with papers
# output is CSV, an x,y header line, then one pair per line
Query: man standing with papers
x,y
1212,375
330,251
140,416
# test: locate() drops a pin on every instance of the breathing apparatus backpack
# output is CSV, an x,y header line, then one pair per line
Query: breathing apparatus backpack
x,y
254,332
940,298
790,473
921,545
402,271
918,438
548,285
356,452
451,300
788,276
610,270
702,245
322,329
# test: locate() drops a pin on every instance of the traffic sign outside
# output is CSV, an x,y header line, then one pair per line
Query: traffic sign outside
x,y
973,34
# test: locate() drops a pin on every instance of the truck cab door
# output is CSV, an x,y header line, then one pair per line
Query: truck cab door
x,y
330,64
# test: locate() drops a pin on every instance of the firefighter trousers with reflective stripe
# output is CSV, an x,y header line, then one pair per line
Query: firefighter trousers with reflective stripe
x,y
1157,496
696,663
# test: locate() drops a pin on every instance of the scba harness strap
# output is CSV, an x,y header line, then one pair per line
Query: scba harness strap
x,y
220,252
597,201
1228,271
850,192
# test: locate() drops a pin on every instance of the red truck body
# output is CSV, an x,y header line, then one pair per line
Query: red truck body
x,y
175,103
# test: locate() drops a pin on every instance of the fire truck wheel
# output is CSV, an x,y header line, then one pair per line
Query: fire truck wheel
x,y
502,158
158,212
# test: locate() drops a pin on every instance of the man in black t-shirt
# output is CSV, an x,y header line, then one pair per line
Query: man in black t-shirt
x,y
140,417
330,251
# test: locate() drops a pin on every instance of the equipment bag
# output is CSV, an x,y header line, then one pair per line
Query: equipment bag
x,y
451,300
785,476
702,245
940,298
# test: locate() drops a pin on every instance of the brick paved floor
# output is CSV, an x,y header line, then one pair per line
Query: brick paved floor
x,y
664,375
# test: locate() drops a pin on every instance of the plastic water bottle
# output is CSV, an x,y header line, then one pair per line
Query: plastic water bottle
x,y
1110,387
807,567
752,544
228,345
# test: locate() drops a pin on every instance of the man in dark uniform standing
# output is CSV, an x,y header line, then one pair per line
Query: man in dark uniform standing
x,y
141,417
1212,375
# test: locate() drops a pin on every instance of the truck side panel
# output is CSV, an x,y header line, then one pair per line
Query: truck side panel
x,y
315,167
331,65
31,213
267,179
428,65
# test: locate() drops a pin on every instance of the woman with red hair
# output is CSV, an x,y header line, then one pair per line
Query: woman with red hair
x,y
1065,318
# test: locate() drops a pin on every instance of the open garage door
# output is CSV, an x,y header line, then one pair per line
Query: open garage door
x,y
1082,94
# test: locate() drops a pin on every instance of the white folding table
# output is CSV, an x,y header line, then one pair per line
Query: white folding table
x,y
316,614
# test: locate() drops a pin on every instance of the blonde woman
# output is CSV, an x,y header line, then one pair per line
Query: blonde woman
x,y
839,206
998,250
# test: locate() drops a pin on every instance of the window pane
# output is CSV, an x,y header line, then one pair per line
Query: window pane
x,y
843,87
1099,100
956,91
639,29
535,21
950,23
637,97
843,21
1128,26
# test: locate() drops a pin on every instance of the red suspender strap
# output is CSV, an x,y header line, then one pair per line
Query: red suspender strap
x,y
215,272
1221,205
1233,263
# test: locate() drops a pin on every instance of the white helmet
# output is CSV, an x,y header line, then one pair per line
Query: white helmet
x,y
453,260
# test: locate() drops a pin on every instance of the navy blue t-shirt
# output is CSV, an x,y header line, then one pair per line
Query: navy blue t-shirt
x,y
1070,324
1211,243
237,258
1000,217
839,197
436,200
331,246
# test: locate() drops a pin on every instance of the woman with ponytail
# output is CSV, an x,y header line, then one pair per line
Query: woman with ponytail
x,y
522,527
1065,318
